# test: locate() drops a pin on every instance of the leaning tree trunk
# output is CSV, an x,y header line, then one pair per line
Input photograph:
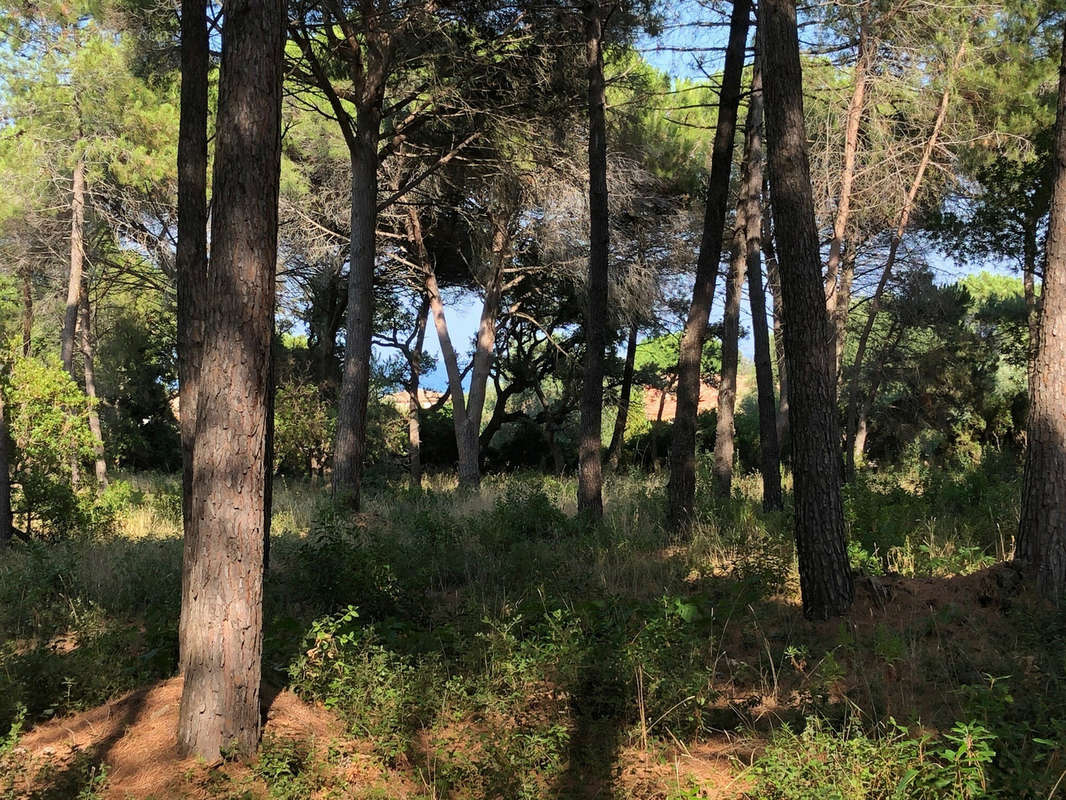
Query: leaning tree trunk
x,y
746,244
773,280
77,264
855,399
191,255
682,484
769,455
1042,527
833,283
614,450
825,578
590,466
222,573
350,444
84,319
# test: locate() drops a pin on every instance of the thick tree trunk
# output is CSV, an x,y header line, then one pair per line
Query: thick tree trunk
x,y
485,343
590,466
855,399
614,450
77,264
1042,527
222,575
191,255
27,310
847,180
773,280
825,578
84,321
350,444
746,245
769,455
7,523
414,409
681,489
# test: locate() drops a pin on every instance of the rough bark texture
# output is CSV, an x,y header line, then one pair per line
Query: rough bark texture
x,y
1042,527
222,576
191,255
590,467
682,485
746,242
773,280
350,445
614,450
769,454
87,353
77,264
825,578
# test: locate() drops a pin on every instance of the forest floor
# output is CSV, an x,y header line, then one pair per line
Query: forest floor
x,y
519,657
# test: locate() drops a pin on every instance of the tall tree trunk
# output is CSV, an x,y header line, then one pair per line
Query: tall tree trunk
x,y
7,523
485,343
590,466
825,578
77,264
682,485
191,255
350,444
27,310
746,246
84,321
614,450
855,400
773,280
222,574
769,455
414,408
469,468
1042,527
847,179
842,306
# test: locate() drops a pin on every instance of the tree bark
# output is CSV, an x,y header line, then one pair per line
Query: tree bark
x,y
77,264
769,455
590,467
350,445
825,578
773,280
681,489
746,246
847,179
614,450
191,255
84,321
222,575
1042,528
414,409
842,306
855,400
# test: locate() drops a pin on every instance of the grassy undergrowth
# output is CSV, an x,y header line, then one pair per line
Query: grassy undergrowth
x,y
488,645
